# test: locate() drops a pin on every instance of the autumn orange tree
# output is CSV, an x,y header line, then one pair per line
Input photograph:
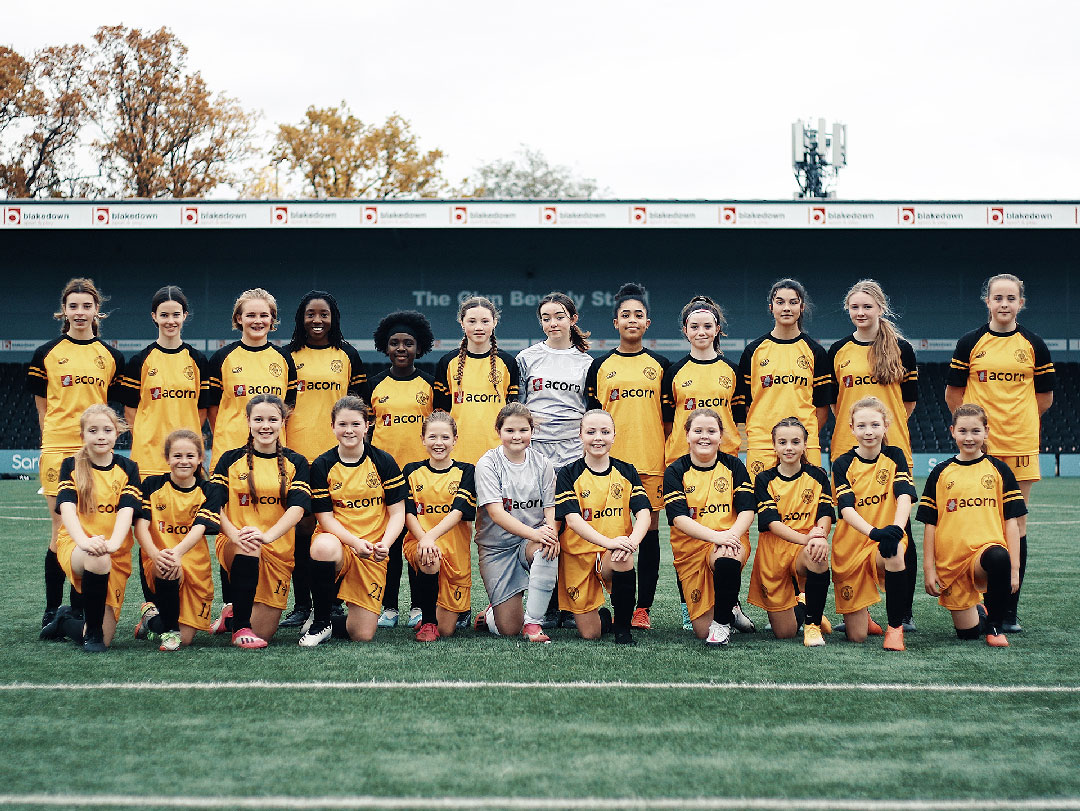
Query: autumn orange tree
x,y
43,107
335,154
165,135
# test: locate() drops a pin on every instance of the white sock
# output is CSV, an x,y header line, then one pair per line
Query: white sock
x,y
491,626
543,575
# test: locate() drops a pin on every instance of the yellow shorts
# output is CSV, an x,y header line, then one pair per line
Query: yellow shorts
x,y
857,583
960,588
455,572
49,469
770,581
1025,468
654,489
696,575
361,581
118,574
758,461
581,589
196,590
276,564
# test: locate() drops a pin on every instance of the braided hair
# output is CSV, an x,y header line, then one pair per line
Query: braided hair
x,y
299,336
283,477
466,305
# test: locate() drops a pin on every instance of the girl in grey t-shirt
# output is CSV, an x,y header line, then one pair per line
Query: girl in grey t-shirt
x,y
517,542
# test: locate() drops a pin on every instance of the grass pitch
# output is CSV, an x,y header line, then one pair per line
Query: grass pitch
x,y
764,724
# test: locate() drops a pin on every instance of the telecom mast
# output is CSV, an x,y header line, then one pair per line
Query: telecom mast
x,y
817,157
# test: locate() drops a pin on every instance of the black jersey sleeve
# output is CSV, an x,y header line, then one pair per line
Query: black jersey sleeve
x,y
909,385
1045,378
667,391
1013,500
299,492
290,388
465,497
746,360
150,485
131,383
961,359
674,494
845,496
37,378
739,399
66,492
442,398
202,367
513,389
591,400
766,505
357,375
825,507
209,514
743,499
824,394
393,482
928,508
211,384
406,472
566,498
639,499
318,476
131,494
903,484
833,382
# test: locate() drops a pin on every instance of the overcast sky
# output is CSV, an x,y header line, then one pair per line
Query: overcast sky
x,y
943,100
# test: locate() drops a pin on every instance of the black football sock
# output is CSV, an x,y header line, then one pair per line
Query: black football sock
x,y
727,574
244,578
393,574
622,598
323,592
226,585
338,627
817,589
896,597
301,575
911,571
54,582
1014,599
147,595
75,600
678,582
995,561
648,568
800,615
94,589
413,601
167,600
426,593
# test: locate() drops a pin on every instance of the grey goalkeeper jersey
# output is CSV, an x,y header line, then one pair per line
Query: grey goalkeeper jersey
x,y
552,385
524,490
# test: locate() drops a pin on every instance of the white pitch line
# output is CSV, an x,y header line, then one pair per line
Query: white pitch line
x,y
796,687
599,803
22,518
1049,523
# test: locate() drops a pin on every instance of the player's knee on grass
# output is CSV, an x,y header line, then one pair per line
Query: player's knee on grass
x,y
589,625
856,626
784,624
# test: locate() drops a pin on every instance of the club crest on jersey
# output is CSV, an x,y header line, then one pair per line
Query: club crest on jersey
x,y
724,381
649,372
616,490
422,398
538,384
756,467
1020,355
803,362
720,485
336,366
573,593
189,372
807,495
988,481
847,592
100,361
451,489
882,476
274,369
691,488
373,480
695,596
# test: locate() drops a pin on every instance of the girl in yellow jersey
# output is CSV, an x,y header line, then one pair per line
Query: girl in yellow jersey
x,y
439,512
605,515
327,368
359,499
874,494
245,369
710,506
401,399
1006,368
784,372
66,376
702,379
264,491
179,509
795,514
97,500
164,388
475,382
627,383
875,361
971,507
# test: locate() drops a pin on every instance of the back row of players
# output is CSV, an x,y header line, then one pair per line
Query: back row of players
x,y
1001,366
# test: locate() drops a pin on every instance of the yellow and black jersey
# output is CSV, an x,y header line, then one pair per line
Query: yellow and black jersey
x,y
249,490
690,384
629,387
713,496
116,485
798,502
783,378
172,511
1002,372
324,374
969,502
358,493
237,373
871,486
476,400
853,379
399,407
72,375
432,494
166,387
608,501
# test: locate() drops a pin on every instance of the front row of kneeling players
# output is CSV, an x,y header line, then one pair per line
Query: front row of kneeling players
x,y
258,493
